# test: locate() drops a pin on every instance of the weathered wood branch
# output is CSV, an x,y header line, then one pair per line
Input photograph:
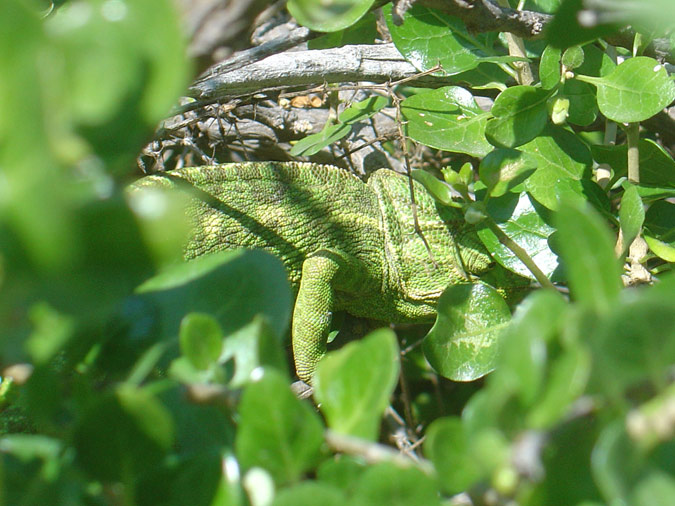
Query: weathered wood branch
x,y
378,63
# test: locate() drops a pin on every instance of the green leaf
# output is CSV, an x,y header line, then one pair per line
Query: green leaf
x,y
364,31
277,431
657,488
439,190
661,249
140,47
634,91
520,114
342,471
568,375
428,38
310,493
631,214
447,118
254,345
573,57
523,359
561,158
502,169
565,29
329,15
660,219
201,339
657,167
353,385
232,286
549,68
583,103
636,341
448,446
523,223
360,111
130,427
587,250
462,344
314,143
389,484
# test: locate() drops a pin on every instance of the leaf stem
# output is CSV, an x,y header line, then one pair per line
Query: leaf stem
x,y
520,253
632,140
517,48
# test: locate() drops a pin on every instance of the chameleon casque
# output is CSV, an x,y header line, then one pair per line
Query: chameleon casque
x,y
346,245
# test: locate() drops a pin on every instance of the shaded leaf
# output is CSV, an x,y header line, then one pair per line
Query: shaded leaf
x,y
462,344
588,253
314,143
330,15
277,431
520,114
523,223
353,385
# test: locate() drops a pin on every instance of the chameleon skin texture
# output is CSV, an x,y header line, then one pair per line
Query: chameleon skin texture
x,y
346,245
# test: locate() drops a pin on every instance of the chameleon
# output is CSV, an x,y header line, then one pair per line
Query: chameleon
x,y
346,245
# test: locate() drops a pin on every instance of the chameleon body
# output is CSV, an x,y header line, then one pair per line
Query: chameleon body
x,y
346,245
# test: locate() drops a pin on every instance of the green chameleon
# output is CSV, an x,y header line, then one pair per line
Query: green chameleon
x,y
346,245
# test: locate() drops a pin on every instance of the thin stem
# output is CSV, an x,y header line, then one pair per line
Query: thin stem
x,y
517,48
632,139
520,253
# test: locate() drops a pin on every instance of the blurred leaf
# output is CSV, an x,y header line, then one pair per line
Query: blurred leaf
x,y
353,385
565,30
523,223
520,115
233,286
130,427
656,488
254,345
140,48
329,15
631,215
661,249
277,431
360,111
523,360
386,483
634,91
201,339
342,471
448,446
310,493
52,331
636,341
462,344
502,169
447,118
568,374
314,143
588,254
27,447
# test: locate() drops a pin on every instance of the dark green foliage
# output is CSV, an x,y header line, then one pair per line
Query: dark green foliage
x,y
131,378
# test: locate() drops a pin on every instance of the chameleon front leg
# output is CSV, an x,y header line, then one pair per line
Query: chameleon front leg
x,y
322,272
